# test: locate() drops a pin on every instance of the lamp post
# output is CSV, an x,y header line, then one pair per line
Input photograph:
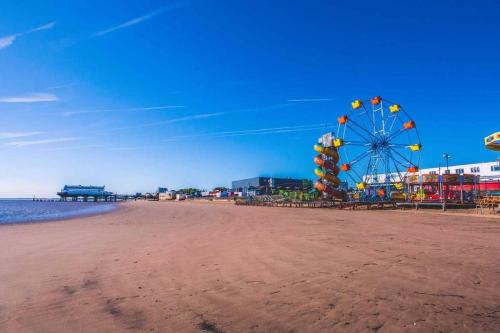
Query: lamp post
x,y
447,156
440,183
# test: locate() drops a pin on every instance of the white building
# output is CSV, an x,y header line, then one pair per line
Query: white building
x,y
487,171
168,195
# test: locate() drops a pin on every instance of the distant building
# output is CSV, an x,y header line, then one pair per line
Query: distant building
x,y
485,170
168,195
75,192
180,196
488,172
263,185
162,190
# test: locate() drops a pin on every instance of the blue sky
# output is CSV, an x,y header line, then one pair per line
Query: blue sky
x,y
198,93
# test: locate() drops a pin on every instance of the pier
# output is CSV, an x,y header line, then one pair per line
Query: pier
x,y
85,193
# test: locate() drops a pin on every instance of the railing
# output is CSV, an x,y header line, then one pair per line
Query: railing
x,y
281,201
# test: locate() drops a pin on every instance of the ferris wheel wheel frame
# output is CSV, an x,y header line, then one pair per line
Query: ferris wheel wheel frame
x,y
376,134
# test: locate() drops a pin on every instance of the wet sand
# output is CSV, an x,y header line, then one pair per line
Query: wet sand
x,y
193,267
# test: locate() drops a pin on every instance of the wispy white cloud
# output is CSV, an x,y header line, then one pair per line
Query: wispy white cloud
x,y
123,148
263,108
32,98
9,40
216,114
151,108
196,117
14,135
47,26
39,142
61,86
72,148
258,131
186,118
164,122
138,19
311,100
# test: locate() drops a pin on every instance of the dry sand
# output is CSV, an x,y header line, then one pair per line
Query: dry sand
x,y
189,267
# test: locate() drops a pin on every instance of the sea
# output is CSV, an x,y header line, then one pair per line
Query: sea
x,y
28,211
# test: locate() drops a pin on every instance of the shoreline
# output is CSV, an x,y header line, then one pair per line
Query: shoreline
x,y
116,207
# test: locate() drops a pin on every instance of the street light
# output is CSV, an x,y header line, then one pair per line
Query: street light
x,y
447,156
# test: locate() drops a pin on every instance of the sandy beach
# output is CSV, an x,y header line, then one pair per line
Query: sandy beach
x,y
193,267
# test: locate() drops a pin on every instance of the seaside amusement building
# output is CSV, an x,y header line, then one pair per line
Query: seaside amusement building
x,y
265,185
95,193
486,173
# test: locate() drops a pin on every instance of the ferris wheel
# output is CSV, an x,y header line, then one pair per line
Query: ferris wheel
x,y
378,145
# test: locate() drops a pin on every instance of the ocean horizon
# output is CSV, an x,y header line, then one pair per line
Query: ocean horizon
x,y
26,210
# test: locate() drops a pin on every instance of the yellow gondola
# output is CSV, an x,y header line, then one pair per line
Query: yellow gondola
x,y
361,186
319,172
398,186
357,104
415,147
319,148
338,142
394,108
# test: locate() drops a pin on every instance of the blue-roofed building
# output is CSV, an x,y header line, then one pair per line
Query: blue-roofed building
x,y
162,190
265,185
